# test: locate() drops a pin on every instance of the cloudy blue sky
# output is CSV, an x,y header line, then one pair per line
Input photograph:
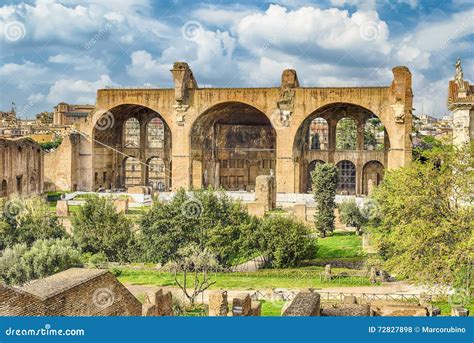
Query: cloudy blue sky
x,y
64,50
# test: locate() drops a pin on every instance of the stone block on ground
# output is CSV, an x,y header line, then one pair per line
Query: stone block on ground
x,y
346,310
256,308
349,299
304,304
459,312
121,205
241,305
394,309
62,208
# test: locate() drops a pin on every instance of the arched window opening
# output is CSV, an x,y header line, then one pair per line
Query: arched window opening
x,y
346,184
346,134
132,133
156,133
318,134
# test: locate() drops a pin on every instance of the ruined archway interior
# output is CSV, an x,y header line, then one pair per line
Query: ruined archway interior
x,y
340,132
232,143
132,146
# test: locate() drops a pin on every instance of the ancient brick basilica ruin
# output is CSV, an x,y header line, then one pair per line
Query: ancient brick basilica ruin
x,y
194,137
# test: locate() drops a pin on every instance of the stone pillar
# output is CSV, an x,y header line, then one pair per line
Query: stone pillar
x,y
265,193
327,272
121,205
459,312
62,208
218,305
242,305
256,309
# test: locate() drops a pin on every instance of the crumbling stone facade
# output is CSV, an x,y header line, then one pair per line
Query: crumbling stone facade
x,y
228,137
21,167
74,292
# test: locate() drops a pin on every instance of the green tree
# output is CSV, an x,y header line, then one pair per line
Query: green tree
x,y
27,220
97,227
20,264
425,221
284,242
324,179
351,215
346,134
205,217
428,146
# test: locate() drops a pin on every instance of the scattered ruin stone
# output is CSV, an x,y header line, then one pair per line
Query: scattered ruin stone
x,y
304,304
241,305
459,312
394,309
373,275
346,310
121,205
433,311
384,276
218,304
327,272
349,299
256,308
62,208
158,303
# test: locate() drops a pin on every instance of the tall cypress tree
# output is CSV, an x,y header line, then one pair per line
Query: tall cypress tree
x,y
324,178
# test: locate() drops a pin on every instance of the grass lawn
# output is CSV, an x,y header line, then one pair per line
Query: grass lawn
x,y
263,279
272,308
340,245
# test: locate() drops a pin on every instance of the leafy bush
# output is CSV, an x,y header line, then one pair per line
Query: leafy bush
x,y
48,146
19,264
28,220
351,215
284,242
324,178
91,260
99,228
207,218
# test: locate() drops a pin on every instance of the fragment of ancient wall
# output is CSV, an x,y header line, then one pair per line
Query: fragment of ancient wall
x,y
21,167
190,114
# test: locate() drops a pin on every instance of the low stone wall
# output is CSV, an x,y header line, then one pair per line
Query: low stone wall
x,y
345,310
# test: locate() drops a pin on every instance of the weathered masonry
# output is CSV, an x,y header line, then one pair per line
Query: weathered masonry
x,y
21,167
196,137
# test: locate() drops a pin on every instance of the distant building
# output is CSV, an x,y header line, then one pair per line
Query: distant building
x,y
461,103
65,114
21,167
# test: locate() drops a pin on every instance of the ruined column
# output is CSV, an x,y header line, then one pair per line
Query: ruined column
x,y
218,305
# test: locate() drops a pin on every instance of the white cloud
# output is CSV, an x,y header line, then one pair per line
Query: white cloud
x,y
79,63
77,91
37,97
311,29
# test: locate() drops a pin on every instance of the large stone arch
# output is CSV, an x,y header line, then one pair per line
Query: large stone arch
x,y
231,143
109,150
333,113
